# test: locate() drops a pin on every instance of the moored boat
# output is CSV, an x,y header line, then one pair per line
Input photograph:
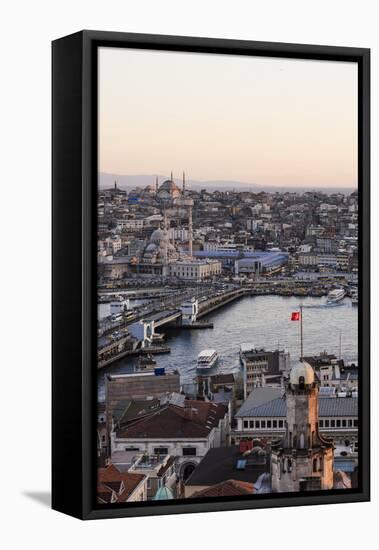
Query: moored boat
x,y
335,295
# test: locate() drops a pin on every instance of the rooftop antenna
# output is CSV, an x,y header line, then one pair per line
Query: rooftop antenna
x,y
172,176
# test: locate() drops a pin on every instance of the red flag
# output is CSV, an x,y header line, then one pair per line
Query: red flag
x,y
295,316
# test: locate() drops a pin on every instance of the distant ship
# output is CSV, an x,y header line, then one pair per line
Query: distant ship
x,y
207,358
335,295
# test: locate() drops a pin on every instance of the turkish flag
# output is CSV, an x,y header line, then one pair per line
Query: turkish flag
x,y
295,316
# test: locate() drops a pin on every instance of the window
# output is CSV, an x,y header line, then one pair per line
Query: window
x,y
245,424
161,451
350,422
321,422
280,423
344,423
257,424
326,423
338,423
148,483
251,423
263,424
332,423
189,451
355,422
274,423
268,423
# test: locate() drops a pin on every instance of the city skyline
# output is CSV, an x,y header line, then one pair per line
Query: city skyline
x,y
269,122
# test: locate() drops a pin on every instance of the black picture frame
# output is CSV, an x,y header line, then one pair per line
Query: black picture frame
x,y
74,175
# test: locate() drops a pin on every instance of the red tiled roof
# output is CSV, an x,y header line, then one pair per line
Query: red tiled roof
x,y
196,419
228,488
110,477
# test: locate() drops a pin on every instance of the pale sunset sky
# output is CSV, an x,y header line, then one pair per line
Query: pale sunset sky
x,y
267,121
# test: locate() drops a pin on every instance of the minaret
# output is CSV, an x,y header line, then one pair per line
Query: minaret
x,y
184,182
156,184
190,231
165,238
115,185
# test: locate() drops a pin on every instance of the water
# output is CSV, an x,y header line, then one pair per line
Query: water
x,y
265,322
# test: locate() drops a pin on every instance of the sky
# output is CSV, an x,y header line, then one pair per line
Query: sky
x,y
268,121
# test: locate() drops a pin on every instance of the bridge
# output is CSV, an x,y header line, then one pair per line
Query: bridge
x,y
163,317
213,303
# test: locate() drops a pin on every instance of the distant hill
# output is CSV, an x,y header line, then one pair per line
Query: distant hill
x,y
130,181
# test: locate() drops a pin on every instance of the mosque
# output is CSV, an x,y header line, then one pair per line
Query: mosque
x,y
168,191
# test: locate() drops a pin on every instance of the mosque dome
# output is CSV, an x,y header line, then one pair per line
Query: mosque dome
x,y
169,188
157,236
302,373
164,493
149,189
152,247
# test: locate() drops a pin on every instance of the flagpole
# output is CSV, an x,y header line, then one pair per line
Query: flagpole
x,y
301,333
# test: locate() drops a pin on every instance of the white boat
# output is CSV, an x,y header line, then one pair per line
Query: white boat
x,y
335,295
207,358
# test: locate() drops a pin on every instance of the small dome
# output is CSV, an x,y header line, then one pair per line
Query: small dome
x,y
152,247
164,493
157,236
302,370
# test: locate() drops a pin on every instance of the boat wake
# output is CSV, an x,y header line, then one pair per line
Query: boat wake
x,y
322,306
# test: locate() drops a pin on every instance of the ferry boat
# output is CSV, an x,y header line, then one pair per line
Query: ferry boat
x,y
207,358
335,295
145,363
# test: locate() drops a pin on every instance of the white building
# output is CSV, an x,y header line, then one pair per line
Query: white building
x,y
196,270
186,431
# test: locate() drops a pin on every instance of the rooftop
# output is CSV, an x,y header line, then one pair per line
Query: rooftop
x,y
196,419
276,407
113,484
221,464
229,488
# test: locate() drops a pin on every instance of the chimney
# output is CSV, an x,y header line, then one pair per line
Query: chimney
x,y
245,445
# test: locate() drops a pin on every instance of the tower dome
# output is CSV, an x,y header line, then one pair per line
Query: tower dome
x,y
302,373
164,493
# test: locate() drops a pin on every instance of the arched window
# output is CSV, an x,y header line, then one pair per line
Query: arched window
x,y
315,464
302,441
